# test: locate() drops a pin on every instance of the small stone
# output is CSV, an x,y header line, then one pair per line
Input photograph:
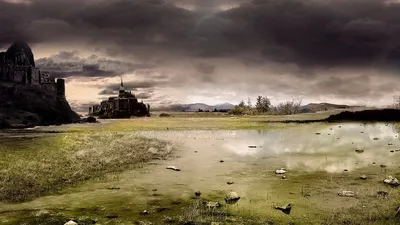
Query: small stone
x,y
283,177
221,161
359,151
345,170
71,222
363,177
383,166
318,133
285,209
232,197
195,151
252,146
347,194
197,193
230,182
280,171
392,151
390,143
144,212
382,194
392,181
155,189
114,188
375,139
173,168
373,163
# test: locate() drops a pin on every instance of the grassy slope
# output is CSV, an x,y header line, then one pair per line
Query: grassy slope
x,y
33,167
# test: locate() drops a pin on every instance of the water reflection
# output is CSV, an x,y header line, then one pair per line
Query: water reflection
x,y
332,151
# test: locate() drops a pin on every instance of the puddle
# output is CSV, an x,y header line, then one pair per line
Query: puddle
x,y
249,160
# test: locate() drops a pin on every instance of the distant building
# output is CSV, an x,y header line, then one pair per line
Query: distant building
x,y
125,105
17,67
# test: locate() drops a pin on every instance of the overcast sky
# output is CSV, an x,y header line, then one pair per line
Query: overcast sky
x,y
213,51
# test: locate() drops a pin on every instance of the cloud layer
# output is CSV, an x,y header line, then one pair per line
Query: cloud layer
x,y
344,50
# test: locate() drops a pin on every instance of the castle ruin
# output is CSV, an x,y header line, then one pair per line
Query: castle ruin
x,y
17,66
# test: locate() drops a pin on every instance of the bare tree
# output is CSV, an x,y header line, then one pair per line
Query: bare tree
x,y
289,107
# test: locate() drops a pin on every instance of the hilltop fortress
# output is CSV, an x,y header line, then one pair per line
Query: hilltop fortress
x,y
17,65
29,96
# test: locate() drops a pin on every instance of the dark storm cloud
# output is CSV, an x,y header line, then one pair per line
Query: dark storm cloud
x,y
70,64
310,33
205,68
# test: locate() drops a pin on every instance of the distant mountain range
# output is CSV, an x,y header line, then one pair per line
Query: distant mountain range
x,y
195,107
312,107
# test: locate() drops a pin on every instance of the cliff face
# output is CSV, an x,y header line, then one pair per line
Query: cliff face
x,y
24,106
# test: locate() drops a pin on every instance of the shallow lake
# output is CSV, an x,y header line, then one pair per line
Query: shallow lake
x,y
320,160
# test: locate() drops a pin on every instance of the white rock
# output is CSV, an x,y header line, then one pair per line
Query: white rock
x,y
71,222
347,194
392,181
173,168
280,171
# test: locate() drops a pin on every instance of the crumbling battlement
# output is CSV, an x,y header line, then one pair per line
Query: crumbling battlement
x,y
17,65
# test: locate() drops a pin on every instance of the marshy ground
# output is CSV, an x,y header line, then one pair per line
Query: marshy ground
x,y
109,173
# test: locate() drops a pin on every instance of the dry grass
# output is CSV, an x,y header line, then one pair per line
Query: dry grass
x,y
30,168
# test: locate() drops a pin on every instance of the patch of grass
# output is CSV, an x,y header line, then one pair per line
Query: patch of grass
x,y
34,167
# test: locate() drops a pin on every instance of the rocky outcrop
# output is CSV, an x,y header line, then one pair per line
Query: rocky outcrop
x,y
24,106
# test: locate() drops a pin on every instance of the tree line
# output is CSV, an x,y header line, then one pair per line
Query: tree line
x,y
263,106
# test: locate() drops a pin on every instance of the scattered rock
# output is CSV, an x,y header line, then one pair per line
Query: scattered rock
x,y
230,182
212,205
382,194
164,115
347,194
359,150
144,212
280,171
197,193
112,216
173,168
397,150
283,177
392,181
285,209
71,222
113,188
363,177
232,197
90,119
160,209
